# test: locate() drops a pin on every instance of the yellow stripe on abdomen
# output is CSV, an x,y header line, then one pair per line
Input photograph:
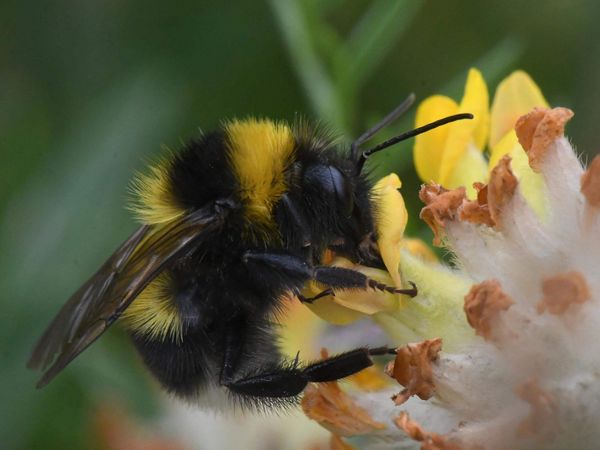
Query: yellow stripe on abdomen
x,y
153,313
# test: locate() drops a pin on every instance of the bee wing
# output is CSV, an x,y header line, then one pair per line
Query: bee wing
x,y
104,297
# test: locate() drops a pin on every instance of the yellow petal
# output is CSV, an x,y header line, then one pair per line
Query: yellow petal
x,y
516,95
429,146
476,101
531,184
366,301
369,301
503,147
418,247
371,379
466,134
328,310
299,327
347,306
333,313
471,167
391,218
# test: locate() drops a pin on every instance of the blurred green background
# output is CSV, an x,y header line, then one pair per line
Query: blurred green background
x,y
90,90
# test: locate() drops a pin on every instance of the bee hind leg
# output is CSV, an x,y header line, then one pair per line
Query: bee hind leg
x,y
344,364
289,381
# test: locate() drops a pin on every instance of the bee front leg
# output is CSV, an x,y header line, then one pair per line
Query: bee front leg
x,y
342,278
298,269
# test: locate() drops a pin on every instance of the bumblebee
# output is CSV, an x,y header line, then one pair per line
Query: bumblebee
x,y
234,222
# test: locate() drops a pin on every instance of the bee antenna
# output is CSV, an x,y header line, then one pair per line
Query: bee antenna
x,y
391,117
409,134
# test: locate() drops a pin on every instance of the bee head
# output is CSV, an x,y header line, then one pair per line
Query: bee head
x,y
360,237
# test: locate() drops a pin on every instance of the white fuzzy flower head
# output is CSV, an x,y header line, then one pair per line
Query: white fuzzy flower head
x,y
533,379
530,377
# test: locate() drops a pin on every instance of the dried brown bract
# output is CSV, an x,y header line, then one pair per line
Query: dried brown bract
x,y
429,441
441,205
412,369
539,129
335,410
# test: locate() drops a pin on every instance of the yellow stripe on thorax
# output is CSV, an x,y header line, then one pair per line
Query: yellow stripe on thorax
x,y
153,313
259,152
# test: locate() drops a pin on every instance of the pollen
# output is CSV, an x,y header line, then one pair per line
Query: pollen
x,y
412,369
563,290
539,129
483,305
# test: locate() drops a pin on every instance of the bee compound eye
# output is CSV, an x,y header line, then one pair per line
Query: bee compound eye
x,y
332,182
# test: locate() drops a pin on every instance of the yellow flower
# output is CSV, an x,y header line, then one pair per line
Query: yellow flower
x,y
453,156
